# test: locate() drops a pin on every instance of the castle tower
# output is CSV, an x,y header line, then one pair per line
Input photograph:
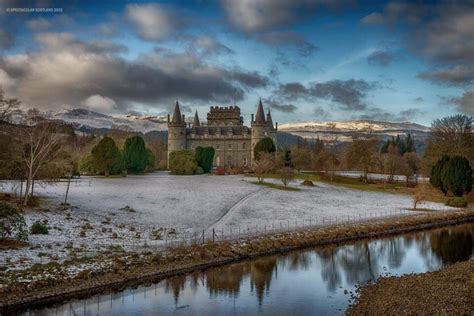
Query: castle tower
x,y
196,120
176,131
261,127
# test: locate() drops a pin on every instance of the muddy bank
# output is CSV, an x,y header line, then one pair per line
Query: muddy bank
x,y
449,291
43,284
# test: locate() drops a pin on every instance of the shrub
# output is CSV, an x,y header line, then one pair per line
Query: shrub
x,y
263,165
106,157
286,175
12,222
199,170
219,171
182,162
39,228
457,202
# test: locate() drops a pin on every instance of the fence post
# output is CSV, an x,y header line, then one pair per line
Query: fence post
x,y
213,234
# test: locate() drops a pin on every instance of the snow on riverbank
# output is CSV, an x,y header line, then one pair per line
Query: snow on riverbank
x,y
127,212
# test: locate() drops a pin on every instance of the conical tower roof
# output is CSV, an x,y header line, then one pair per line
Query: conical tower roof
x,y
177,118
269,119
260,116
196,120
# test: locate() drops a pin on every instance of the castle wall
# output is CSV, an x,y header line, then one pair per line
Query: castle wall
x,y
231,151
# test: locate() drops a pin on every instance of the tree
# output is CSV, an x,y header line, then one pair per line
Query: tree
x,y
436,177
451,136
457,176
409,145
264,165
135,155
362,154
300,157
410,165
150,160
182,162
265,145
286,175
391,161
205,158
40,145
422,193
106,157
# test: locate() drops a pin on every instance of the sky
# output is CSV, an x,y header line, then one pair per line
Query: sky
x,y
309,60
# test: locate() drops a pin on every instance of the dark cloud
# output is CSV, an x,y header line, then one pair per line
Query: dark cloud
x,y
93,72
274,104
419,99
457,75
395,12
349,95
465,103
321,113
380,58
289,39
378,114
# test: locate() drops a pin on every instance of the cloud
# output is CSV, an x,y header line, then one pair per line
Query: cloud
x,y
274,104
419,99
206,46
456,75
380,58
378,114
348,95
99,103
395,12
289,39
152,22
77,70
465,103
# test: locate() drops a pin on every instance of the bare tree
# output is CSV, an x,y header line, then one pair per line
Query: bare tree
x,y
40,145
300,157
362,154
263,165
286,175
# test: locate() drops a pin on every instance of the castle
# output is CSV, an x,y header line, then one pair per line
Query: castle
x,y
225,132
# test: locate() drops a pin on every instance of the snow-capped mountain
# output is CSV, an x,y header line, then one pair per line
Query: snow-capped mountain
x,y
83,119
345,131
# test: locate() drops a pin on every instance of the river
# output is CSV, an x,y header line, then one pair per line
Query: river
x,y
316,281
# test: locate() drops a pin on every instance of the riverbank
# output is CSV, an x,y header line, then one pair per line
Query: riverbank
x,y
49,283
449,291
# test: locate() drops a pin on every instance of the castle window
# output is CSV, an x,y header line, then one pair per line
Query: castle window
x,y
244,145
229,160
230,146
217,146
244,161
218,161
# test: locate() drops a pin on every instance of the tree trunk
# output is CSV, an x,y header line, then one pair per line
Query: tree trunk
x,y
21,189
32,188
28,184
67,190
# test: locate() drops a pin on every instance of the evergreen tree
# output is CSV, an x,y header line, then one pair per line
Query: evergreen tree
x,y
265,145
150,160
457,176
205,157
106,157
409,145
436,178
135,155
183,162
287,158
400,145
384,148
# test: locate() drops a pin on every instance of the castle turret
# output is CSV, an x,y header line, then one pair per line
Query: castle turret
x,y
176,131
196,120
261,127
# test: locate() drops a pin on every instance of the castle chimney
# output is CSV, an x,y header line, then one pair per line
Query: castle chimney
x,y
276,126
183,117
168,118
252,118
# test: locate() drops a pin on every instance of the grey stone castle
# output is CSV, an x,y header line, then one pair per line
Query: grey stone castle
x,y
224,131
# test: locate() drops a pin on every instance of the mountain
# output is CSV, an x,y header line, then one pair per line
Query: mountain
x,y
86,121
346,131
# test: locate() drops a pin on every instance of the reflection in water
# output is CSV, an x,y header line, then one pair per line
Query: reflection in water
x,y
307,281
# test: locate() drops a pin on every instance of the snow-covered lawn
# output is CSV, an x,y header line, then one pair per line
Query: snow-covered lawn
x,y
129,211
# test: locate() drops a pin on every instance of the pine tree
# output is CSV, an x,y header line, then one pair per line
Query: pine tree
x,y
457,176
400,145
384,148
409,145
135,155
106,157
205,157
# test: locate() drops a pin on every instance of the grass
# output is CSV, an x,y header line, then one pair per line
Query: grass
x,y
275,186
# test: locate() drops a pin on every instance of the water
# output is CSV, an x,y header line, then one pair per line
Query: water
x,y
311,281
